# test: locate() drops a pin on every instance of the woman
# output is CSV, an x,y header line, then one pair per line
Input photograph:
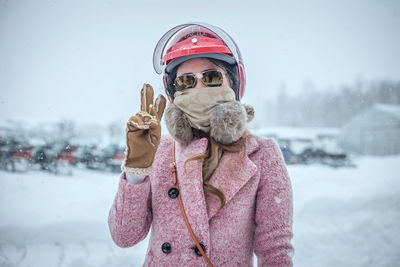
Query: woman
x,y
230,194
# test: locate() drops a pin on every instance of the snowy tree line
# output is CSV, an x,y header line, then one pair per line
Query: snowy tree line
x,y
328,108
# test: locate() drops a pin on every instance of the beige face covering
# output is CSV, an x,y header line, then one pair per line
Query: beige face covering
x,y
196,102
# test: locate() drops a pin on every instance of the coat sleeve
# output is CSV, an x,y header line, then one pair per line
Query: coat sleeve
x,y
130,215
274,210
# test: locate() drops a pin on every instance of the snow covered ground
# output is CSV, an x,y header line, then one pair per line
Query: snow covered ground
x,y
343,217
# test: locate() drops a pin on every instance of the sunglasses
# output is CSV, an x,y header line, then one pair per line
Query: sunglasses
x,y
210,78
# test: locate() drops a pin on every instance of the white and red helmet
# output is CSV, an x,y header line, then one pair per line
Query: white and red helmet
x,y
191,40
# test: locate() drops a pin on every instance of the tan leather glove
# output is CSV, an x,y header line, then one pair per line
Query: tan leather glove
x,y
143,133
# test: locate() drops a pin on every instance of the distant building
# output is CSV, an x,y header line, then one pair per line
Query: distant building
x,y
375,131
297,139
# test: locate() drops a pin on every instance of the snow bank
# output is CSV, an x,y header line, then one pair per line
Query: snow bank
x,y
342,217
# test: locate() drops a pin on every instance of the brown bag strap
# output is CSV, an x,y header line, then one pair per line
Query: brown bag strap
x,y
175,180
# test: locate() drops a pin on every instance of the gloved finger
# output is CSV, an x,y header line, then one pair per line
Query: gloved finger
x,y
147,117
153,126
136,118
135,123
146,97
154,122
160,104
153,139
153,111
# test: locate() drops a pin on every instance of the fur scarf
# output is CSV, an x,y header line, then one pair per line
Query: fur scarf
x,y
227,122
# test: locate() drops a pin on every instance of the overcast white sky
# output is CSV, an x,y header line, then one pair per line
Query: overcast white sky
x,y
87,60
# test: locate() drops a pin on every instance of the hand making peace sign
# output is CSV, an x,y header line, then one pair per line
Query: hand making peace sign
x,y
143,133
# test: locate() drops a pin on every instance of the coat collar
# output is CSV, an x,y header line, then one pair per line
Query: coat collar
x,y
198,207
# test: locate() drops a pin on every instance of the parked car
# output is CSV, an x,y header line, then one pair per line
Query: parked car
x,y
65,159
319,155
15,155
115,156
45,157
91,156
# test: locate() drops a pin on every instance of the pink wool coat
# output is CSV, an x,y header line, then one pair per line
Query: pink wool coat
x,y
257,216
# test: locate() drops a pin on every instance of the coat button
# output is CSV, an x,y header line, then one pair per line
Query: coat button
x,y
166,247
173,192
198,251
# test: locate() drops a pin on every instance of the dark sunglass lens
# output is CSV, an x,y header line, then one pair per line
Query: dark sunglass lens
x,y
212,78
184,82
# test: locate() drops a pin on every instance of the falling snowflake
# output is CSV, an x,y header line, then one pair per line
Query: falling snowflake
x,y
277,200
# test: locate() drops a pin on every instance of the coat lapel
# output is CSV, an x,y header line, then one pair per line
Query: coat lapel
x,y
233,172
